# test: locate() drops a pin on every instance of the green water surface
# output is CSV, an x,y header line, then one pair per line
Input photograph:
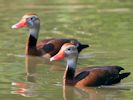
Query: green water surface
x,y
106,25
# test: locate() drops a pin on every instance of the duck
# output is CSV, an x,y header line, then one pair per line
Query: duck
x,y
89,76
45,48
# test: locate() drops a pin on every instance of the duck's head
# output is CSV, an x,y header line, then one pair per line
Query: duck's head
x,y
68,50
30,20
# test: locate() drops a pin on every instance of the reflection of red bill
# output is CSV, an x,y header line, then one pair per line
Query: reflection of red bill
x,y
19,84
20,91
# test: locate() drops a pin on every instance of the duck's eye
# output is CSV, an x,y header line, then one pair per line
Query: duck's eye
x,y
68,49
31,18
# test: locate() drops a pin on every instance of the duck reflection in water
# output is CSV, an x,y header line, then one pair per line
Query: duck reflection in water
x,y
28,88
92,93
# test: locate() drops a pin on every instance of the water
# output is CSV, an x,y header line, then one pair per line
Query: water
x,y
105,25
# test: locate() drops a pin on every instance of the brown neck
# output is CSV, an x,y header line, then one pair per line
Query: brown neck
x,y
31,45
70,71
32,42
69,76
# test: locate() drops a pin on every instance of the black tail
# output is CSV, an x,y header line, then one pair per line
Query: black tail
x,y
115,75
124,75
119,68
121,76
82,46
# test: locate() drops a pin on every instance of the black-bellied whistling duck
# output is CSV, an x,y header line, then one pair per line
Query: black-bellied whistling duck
x,y
48,47
91,76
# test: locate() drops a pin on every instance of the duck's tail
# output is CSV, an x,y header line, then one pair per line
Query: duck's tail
x,y
82,46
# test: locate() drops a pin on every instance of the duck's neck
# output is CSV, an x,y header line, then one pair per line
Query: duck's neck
x,y
70,71
32,40
33,36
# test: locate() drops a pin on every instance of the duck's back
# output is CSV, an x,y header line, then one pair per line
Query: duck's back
x,y
52,46
96,76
